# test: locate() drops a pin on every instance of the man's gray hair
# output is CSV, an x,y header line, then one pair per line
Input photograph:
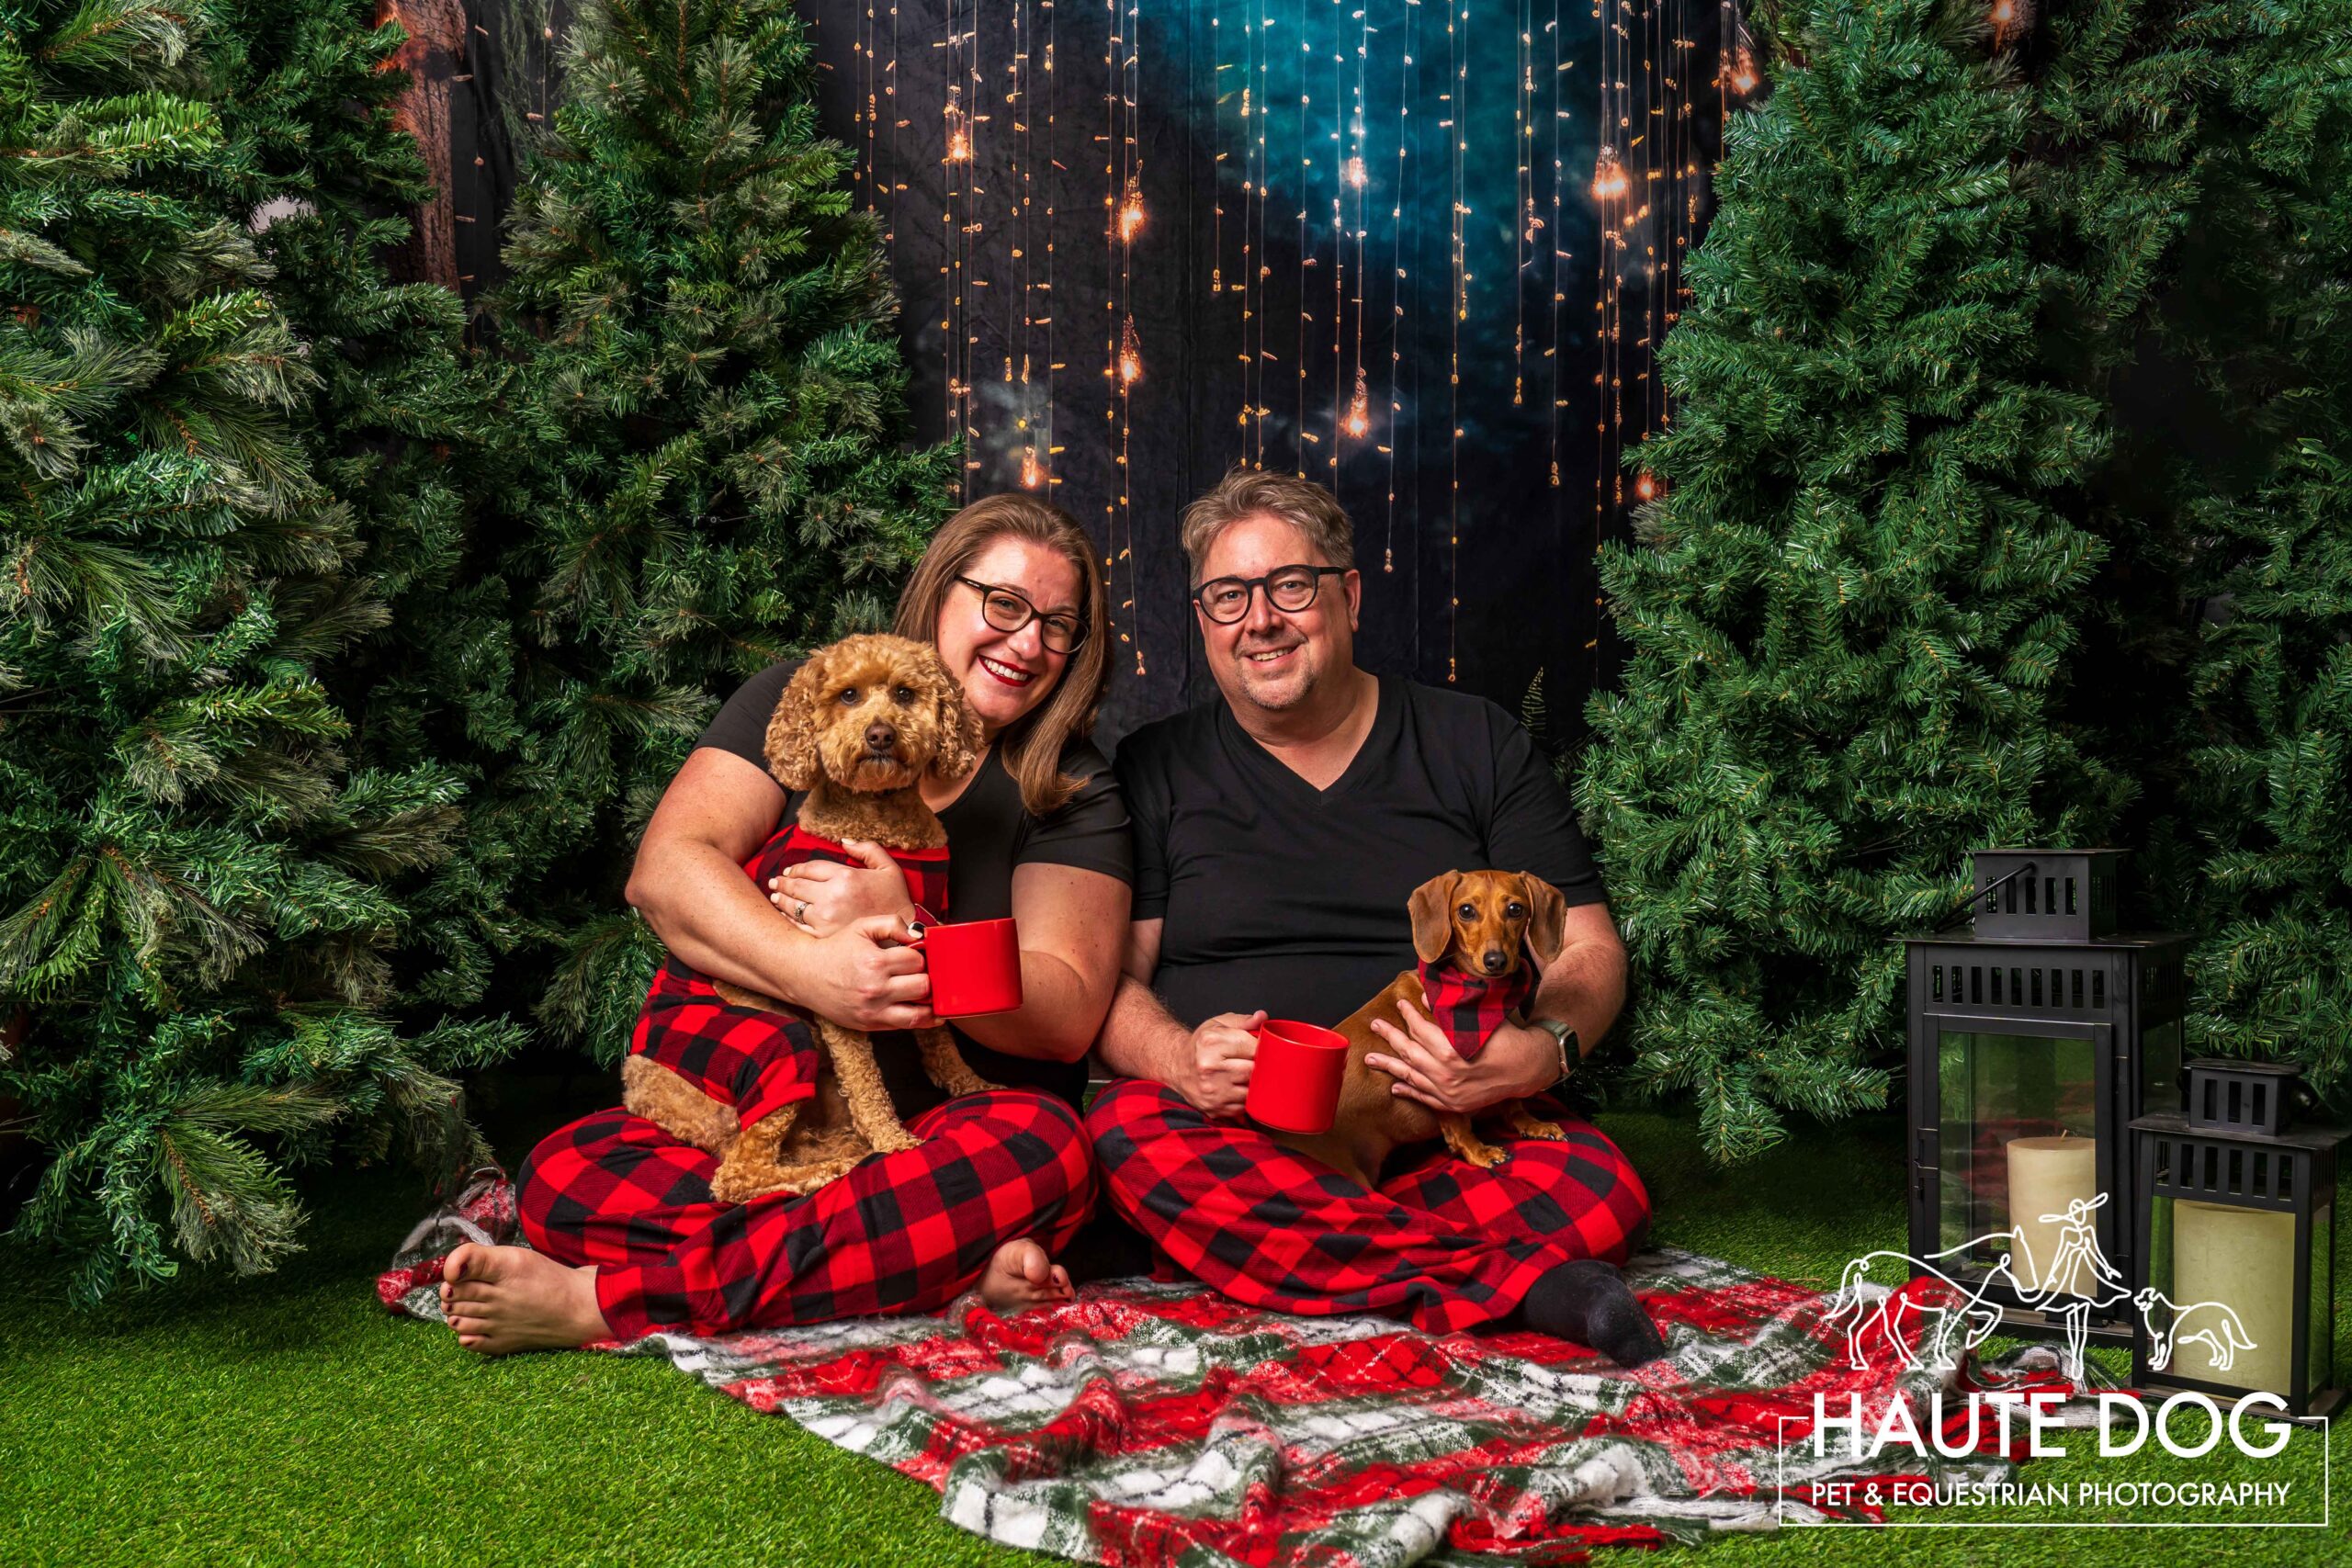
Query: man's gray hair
x,y
1252,492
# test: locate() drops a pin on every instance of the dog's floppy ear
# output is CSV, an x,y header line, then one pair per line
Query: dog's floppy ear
x,y
1548,919
959,728
1432,912
792,729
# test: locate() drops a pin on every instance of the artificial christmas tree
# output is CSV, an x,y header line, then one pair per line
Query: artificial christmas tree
x,y
193,904
704,458
1849,607
2241,442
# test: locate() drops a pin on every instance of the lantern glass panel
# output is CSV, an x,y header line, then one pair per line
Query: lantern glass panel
x,y
1995,1088
2160,1068
2227,1276
2323,1318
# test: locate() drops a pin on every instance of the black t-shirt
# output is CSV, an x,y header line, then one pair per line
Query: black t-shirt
x,y
988,833
1276,895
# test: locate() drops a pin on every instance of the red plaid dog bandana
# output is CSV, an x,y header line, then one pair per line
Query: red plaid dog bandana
x,y
926,868
1469,1008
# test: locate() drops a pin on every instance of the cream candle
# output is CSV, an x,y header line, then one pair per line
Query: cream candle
x,y
2045,1175
2243,1260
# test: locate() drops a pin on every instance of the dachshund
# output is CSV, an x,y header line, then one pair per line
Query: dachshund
x,y
856,729
1483,925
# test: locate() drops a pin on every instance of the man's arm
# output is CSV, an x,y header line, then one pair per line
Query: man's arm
x,y
1583,986
1208,1065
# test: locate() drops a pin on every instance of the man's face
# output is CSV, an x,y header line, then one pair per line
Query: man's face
x,y
1271,658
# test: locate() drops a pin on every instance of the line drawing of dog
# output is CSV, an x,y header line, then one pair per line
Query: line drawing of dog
x,y
2223,1339
858,725
1513,917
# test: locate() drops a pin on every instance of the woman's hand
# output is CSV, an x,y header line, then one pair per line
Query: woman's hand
x,y
1428,1068
861,978
822,897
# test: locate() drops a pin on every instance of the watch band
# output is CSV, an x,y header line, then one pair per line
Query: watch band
x,y
1564,1037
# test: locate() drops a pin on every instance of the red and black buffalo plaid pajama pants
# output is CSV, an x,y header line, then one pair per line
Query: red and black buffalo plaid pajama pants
x,y
907,1232
1443,1243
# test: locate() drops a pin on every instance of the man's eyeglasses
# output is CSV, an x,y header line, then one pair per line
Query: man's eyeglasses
x,y
1009,610
1289,589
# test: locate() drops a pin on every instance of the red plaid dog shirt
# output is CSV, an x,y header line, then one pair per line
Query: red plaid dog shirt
x,y
752,1059
1470,1008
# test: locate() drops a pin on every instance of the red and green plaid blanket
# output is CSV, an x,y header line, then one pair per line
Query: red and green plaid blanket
x,y
1155,1423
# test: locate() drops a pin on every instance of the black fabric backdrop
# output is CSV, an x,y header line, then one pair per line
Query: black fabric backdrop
x,y
1521,561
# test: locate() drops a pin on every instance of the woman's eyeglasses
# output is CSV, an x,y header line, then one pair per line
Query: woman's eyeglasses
x,y
1289,589
1009,610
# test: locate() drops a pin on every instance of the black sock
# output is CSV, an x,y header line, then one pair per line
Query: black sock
x,y
1588,1302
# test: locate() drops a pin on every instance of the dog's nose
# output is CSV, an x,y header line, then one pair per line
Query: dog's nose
x,y
880,737
1494,960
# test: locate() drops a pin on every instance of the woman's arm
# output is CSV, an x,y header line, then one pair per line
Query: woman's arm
x,y
689,883
1073,925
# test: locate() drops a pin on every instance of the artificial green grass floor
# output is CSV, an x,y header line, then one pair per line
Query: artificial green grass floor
x,y
290,1419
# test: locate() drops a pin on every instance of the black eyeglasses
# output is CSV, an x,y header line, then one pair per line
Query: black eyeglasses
x,y
1009,610
1289,589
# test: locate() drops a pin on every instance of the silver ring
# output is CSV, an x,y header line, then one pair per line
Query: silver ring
x,y
803,916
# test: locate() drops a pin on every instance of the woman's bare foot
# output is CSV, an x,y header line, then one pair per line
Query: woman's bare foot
x,y
1021,1277
502,1299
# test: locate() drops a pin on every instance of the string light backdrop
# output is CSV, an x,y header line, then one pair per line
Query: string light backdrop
x,y
1423,252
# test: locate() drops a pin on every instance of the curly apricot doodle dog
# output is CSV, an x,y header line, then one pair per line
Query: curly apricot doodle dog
x,y
1481,925
856,729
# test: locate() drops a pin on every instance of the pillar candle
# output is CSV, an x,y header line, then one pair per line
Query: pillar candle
x,y
2045,1175
2245,1259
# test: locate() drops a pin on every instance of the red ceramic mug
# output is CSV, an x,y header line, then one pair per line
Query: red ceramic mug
x,y
975,966
1295,1078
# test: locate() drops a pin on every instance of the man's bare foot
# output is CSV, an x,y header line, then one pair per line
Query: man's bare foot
x,y
1021,1277
502,1299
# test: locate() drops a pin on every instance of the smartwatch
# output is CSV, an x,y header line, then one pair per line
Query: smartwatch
x,y
1566,1038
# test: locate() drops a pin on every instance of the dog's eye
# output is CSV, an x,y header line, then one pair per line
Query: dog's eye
x,y
1514,911
1469,911
903,696
849,696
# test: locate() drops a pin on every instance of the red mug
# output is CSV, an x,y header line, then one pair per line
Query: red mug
x,y
975,966
1295,1078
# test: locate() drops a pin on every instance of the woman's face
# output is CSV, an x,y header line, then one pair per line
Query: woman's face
x,y
1006,675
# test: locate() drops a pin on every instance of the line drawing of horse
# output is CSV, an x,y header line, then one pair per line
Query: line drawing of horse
x,y
2223,1340
1977,1319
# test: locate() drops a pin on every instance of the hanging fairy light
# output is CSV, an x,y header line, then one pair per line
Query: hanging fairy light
x,y
1742,72
1358,425
1356,173
959,146
1031,475
1647,486
1609,181
1131,212
1130,353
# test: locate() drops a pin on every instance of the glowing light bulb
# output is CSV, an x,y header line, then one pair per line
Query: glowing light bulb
x,y
1646,487
959,146
1032,476
1355,175
1131,214
1742,72
1130,353
1358,425
1609,181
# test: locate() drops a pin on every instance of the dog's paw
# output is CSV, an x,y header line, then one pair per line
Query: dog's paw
x,y
1486,1157
897,1142
968,1083
1534,1128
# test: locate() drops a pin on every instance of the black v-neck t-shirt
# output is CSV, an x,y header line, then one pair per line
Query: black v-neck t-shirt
x,y
990,832
1276,895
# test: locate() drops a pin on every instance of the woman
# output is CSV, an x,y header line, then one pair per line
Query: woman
x,y
625,1239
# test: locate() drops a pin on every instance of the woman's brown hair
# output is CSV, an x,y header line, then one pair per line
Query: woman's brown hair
x,y
1031,746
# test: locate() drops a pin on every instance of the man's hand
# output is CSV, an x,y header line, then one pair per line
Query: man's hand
x,y
861,978
1214,1076
1428,1068
822,897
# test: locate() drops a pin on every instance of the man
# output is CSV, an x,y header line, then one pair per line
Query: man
x,y
1279,832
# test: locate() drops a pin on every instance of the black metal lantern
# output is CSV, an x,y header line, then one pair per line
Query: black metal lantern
x,y
2034,1040
2234,1259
